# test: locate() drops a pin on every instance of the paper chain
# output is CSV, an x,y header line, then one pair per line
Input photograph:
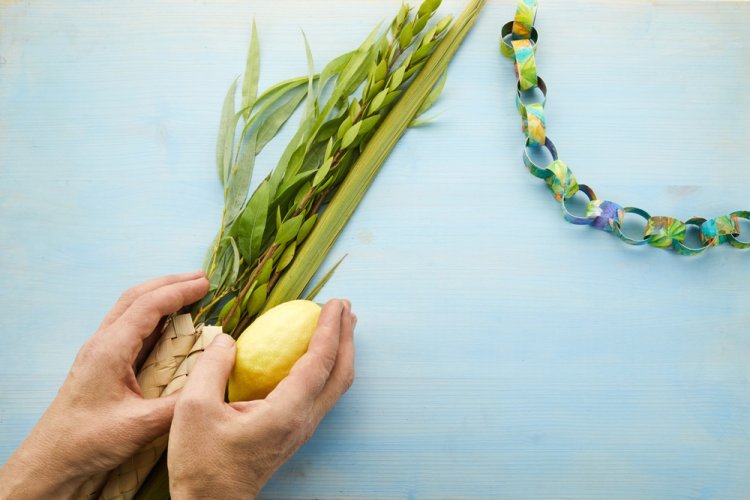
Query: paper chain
x,y
518,39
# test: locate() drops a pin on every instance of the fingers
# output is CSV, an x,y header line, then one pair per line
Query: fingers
x,y
342,375
130,295
208,379
311,372
140,319
157,415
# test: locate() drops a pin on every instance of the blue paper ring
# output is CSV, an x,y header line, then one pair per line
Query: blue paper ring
x,y
506,48
617,229
536,170
682,248
575,219
734,240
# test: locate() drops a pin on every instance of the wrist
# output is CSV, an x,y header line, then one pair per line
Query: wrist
x,y
42,467
208,489
27,476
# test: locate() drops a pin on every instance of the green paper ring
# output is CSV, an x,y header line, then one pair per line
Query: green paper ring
x,y
733,240
575,219
536,170
520,105
506,48
682,248
618,230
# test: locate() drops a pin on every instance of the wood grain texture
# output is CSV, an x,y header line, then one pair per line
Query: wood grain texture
x,y
501,352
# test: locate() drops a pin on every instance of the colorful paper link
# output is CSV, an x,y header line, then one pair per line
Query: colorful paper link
x,y
518,41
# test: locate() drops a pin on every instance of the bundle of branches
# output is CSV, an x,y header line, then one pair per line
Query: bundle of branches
x,y
270,245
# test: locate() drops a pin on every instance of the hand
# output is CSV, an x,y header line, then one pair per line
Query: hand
x,y
220,450
99,418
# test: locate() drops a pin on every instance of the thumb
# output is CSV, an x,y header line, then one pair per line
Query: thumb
x,y
209,376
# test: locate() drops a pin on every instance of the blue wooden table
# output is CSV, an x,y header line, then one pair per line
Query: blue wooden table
x,y
501,352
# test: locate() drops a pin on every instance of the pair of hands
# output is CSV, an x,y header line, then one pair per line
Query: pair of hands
x,y
216,450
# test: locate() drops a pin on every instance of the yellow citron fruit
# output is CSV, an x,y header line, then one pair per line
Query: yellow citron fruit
x,y
269,347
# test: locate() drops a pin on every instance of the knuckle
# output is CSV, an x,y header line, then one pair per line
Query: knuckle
x,y
92,352
348,379
328,357
287,426
130,294
190,404
145,302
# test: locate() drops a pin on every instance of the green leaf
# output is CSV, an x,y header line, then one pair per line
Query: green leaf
x,y
286,257
289,187
306,227
302,192
289,229
208,257
365,47
428,7
248,294
424,121
252,72
434,94
402,13
444,22
392,96
251,223
397,77
404,38
295,163
350,135
375,89
381,71
228,265
354,109
420,23
329,149
225,141
235,260
413,70
392,53
358,68
328,129
428,37
314,157
271,118
346,124
265,272
310,108
332,69
423,51
377,102
229,323
239,184
271,125
257,299
322,172
219,275
368,124
320,284
281,88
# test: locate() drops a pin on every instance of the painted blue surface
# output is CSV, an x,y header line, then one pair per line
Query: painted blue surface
x,y
501,352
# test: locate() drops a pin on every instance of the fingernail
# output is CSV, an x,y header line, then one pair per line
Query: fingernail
x,y
354,321
223,340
